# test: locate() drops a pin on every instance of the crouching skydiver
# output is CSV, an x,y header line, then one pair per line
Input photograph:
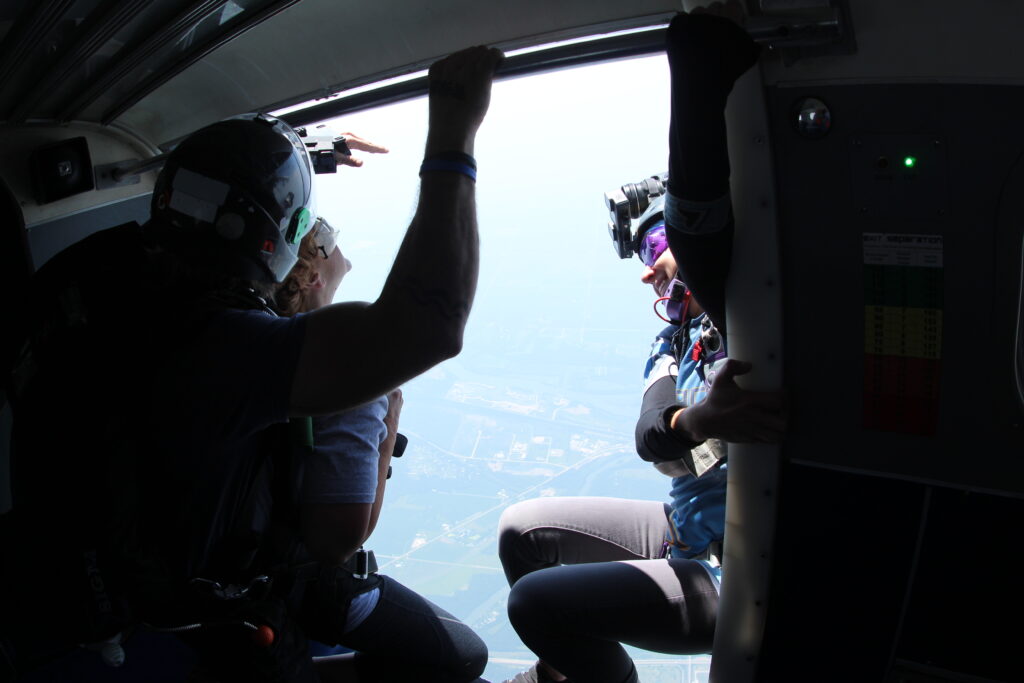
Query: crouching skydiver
x,y
591,573
153,388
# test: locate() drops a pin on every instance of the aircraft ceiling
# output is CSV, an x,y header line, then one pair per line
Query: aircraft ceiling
x,y
162,68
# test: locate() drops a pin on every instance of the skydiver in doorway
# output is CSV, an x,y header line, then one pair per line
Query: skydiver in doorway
x,y
573,625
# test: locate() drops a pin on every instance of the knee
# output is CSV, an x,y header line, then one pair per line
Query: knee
x,y
530,534
530,602
465,662
473,660
512,526
513,518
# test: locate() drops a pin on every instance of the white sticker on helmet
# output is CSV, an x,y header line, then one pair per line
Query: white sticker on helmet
x,y
196,195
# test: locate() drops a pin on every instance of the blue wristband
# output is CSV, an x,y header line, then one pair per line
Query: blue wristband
x,y
457,162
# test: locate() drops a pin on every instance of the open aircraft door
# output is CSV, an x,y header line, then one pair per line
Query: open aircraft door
x,y
878,198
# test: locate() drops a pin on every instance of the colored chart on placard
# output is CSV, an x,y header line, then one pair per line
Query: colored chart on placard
x,y
903,300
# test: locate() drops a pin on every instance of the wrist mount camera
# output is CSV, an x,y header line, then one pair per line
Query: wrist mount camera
x,y
640,201
321,145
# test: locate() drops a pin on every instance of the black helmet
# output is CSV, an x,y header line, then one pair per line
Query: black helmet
x,y
652,216
236,197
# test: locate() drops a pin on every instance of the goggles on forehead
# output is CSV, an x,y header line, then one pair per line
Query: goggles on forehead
x,y
653,245
325,236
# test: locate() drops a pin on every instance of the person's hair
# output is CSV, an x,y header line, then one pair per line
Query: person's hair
x,y
288,296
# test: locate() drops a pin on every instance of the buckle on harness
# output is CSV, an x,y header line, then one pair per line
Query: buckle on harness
x,y
362,564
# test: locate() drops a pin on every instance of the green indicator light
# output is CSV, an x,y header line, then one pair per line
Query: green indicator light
x,y
910,162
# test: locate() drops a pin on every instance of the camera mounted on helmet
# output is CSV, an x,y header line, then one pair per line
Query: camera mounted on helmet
x,y
236,197
322,144
644,202
640,201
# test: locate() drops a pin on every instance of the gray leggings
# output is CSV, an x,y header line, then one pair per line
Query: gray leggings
x,y
585,578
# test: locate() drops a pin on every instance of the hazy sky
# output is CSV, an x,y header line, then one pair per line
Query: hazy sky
x,y
550,147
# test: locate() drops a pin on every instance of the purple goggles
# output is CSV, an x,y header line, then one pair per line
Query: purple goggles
x,y
653,245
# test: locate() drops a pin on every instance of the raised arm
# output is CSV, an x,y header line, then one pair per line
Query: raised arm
x,y
350,353
706,54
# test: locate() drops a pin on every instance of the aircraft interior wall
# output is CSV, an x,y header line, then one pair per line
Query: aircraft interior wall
x,y
900,239
48,239
27,249
899,281
16,270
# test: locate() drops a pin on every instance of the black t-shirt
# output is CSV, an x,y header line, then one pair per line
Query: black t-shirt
x,y
213,401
